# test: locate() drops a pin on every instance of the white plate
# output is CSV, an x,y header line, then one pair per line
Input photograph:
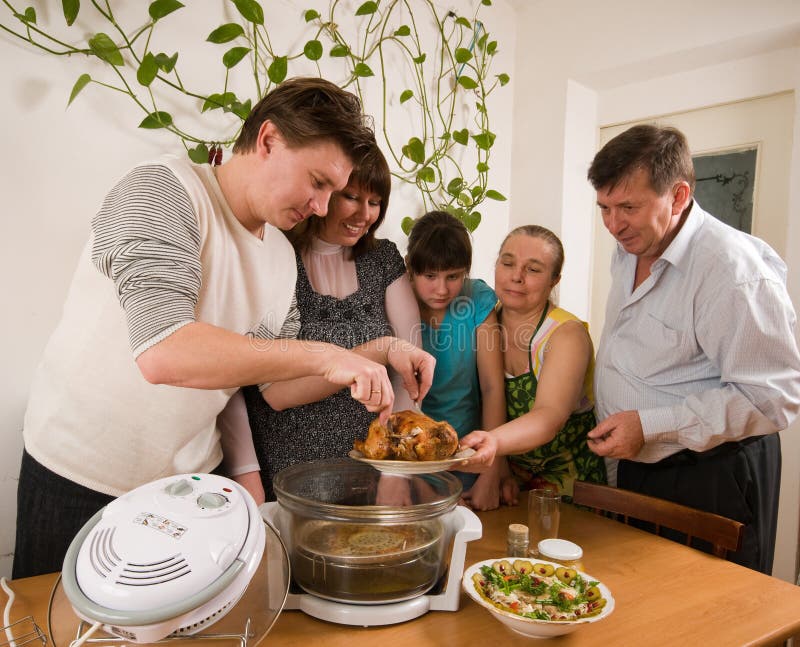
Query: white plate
x,y
528,626
413,467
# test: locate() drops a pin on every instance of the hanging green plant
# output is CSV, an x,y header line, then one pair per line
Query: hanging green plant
x,y
448,60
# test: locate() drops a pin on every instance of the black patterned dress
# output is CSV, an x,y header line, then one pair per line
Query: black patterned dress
x,y
326,429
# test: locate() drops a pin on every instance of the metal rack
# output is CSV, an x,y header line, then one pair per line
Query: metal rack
x,y
21,632
241,638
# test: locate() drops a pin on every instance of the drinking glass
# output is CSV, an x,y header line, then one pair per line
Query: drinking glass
x,y
543,516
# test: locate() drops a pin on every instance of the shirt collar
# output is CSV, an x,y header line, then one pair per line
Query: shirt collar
x,y
679,250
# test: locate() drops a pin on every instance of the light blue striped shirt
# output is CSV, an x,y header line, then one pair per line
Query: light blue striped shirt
x,y
705,348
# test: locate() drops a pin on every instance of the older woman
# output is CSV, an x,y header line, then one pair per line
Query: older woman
x,y
548,363
351,291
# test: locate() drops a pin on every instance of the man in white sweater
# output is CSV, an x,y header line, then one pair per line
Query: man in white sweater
x,y
184,293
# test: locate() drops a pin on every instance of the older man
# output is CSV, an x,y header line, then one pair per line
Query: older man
x,y
698,365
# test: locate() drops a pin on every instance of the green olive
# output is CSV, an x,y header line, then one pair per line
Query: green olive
x,y
543,570
523,566
566,575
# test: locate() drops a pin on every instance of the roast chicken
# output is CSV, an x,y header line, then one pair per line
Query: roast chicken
x,y
409,436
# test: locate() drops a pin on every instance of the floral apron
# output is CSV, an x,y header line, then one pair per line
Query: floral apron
x,y
564,459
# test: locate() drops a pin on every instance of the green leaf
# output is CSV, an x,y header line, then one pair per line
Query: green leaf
x,y
313,50
199,154
406,95
415,150
158,119
464,198
83,79
367,8
426,174
482,40
476,192
311,14
492,48
445,136
480,107
482,167
484,140
28,16
225,33
471,220
362,69
495,195
218,101
339,50
105,49
234,55
71,8
403,30
462,55
467,82
454,186
419,60
147,70
486,3
251,11
406,225
277,69
461,136
242,110
166,63
161,8
503,78
463,22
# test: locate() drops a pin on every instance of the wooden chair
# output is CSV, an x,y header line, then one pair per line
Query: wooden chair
x,y
722,533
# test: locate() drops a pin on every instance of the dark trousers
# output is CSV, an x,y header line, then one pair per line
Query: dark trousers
x,y
50,512
739,480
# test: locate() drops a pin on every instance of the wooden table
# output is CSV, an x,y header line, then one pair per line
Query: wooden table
x,y
666,594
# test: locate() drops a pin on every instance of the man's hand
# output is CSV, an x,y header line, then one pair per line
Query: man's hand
x,y
618,436
368,380
414,366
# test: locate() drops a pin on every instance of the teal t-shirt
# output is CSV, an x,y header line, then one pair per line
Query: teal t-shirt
x,y
455,395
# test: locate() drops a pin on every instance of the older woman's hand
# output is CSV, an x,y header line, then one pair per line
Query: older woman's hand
x,y
485,445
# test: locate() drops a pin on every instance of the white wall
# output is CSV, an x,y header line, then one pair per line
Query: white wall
x,y
583,65
57,165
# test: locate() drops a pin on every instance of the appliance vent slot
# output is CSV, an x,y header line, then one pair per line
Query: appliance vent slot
x,y
154,573
102,555
196,626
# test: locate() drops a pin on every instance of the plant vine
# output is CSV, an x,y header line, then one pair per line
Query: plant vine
x,y
446,82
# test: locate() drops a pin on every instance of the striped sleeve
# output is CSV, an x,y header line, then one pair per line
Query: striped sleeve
x,y
288,330
147,241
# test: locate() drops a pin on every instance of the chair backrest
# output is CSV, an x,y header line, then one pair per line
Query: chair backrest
x,y
722,533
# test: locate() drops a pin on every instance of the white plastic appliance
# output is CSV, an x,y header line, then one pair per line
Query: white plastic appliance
x,y
462,525
170,557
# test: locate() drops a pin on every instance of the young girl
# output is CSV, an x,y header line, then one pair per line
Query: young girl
x,y
459,328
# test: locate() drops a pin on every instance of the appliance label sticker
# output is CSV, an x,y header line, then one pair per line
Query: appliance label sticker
x,y
162,524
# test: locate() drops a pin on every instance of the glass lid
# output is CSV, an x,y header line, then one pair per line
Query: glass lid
x,y
345,489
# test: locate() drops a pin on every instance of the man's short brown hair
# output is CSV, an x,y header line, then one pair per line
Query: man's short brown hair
x,y
307,110
662,151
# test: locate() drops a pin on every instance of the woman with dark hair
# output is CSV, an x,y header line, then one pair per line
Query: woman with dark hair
x,y
351,291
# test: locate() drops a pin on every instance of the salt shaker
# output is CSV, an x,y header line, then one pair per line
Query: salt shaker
x,y
517,540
